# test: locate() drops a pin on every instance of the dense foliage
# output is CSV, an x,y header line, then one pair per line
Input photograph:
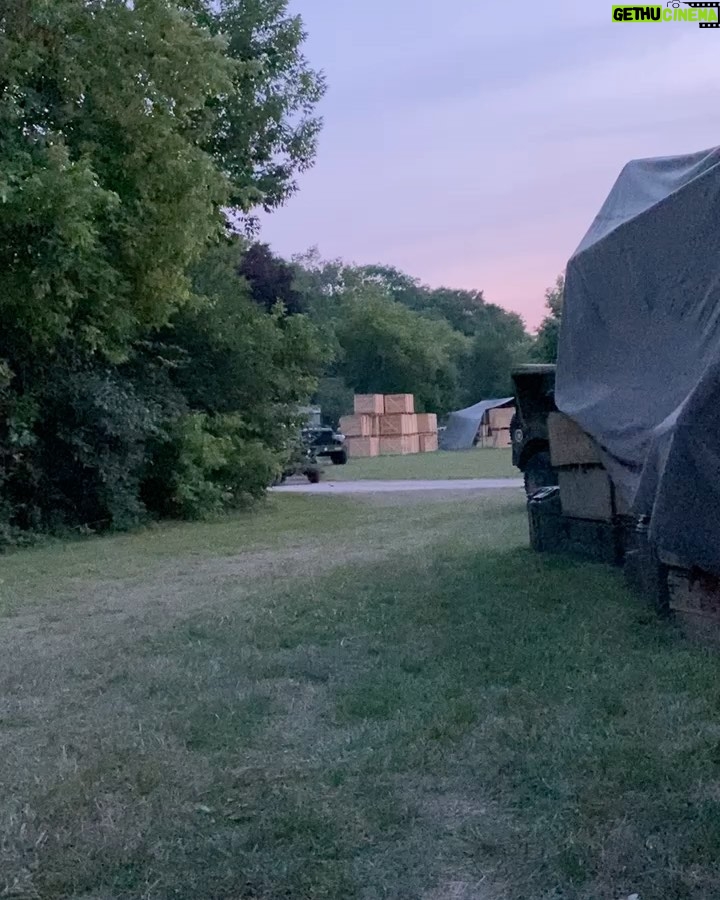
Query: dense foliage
x,y
391,333
545,348
153,357
132,134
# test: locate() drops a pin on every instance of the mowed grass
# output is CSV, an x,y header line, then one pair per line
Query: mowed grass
x,y
379,698
478,463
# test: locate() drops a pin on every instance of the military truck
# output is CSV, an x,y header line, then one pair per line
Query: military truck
x,y
534,388
300,460
326,442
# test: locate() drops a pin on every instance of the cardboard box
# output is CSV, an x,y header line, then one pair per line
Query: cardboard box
x,y
399,403
369,404
360,447
395,425
357,426
400,445
428,443
569,444
586,493
426,423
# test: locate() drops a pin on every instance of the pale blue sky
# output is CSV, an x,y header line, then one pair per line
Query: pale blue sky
x,y
471,143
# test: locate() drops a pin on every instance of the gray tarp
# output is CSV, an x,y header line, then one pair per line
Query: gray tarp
x,y
462,426
639,351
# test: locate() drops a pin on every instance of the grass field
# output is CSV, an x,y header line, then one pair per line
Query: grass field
x,y
480,463
382,697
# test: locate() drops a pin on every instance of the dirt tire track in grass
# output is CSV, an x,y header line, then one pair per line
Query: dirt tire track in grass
x,y
119,691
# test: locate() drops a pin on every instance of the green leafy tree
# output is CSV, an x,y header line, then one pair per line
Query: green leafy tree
x,y
546,342
335,399
483,340
265,129
270,279
466,311
129,133
387,348
125,129
243,372
487,367
107,191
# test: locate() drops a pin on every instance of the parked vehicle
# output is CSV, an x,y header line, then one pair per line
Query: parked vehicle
x,y
534,388
325,442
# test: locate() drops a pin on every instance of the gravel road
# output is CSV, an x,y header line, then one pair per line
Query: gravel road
x,y
375,487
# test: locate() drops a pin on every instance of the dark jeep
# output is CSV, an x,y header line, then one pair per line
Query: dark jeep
x,y
534,386
301,460
323,441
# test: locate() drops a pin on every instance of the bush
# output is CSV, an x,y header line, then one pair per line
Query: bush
x,y
93,437
205,465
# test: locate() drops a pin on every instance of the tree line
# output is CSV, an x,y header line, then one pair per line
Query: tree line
x,y
154,353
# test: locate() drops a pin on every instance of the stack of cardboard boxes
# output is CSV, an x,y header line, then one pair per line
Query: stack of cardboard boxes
x,y
386,424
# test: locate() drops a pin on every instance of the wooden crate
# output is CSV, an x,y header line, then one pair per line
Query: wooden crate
x,y
569,444
428,442
694,599
500,418
426,423
500,438
400,445
369,404
399,403
359,447
358,426
586,493
397,425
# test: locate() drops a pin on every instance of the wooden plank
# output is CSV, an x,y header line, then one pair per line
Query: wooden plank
x,y
569,444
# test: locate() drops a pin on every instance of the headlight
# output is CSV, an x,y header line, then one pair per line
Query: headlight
x,y
518,436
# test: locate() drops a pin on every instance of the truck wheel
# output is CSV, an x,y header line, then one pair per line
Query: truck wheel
x,y
339,458
539,473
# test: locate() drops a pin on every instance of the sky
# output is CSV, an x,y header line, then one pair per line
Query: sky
x,y
472,143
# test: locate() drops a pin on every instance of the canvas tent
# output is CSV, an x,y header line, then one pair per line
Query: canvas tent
x,y
639,349
463,425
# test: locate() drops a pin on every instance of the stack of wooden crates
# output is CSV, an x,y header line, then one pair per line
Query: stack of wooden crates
x,y
387,425
586,490
591,509
495,428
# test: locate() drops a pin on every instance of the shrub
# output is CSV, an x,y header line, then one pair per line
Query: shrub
x,y
207,464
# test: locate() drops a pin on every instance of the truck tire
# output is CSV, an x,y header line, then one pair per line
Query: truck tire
x,y
339,458
539,473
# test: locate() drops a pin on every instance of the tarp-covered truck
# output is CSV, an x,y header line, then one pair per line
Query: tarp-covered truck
x,y
638,369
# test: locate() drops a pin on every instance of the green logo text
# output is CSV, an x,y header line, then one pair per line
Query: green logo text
x,y
663,14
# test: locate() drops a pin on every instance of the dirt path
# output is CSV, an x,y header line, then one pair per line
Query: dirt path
x,y
373,487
